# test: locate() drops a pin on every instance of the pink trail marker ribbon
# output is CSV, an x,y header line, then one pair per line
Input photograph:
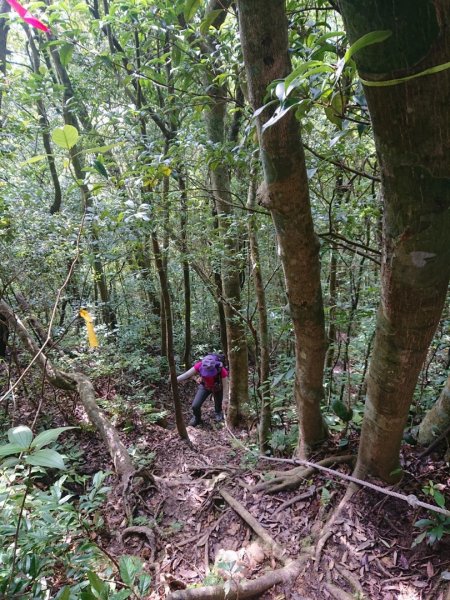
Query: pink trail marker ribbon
x,y
26,16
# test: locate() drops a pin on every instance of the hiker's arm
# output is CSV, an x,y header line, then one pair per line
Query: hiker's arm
x,y
187,375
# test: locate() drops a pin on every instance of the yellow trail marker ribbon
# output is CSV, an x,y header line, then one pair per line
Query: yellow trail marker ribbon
x,y
93,342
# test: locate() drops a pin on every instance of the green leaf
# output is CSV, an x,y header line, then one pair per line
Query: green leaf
x,y
65,137
439,499
64,594
46,437
46,458
129,567
33,159
373,37
190,8
122,595
100,168
9,449
144,583
21,435
423,523
209,20
65,54
96,583
102,149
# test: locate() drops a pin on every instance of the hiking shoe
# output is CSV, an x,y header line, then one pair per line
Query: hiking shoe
x,y
194,422
219,417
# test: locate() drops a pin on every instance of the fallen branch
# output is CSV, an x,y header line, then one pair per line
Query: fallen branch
x,y
411,499
79,382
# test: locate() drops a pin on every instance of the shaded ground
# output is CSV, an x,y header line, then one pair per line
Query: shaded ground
x,y
369,554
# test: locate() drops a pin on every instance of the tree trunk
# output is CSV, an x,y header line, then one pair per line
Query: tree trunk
x,y
236,333
4,28
437,419
411,124
45,129
187,351
265,419
162,272
263,28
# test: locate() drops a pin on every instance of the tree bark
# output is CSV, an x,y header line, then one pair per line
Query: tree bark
x,y
4,28
437,419
221,189
263,29
411,124
162,272
264,355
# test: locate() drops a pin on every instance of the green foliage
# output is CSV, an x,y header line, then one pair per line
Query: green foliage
x,y
437,525
65,137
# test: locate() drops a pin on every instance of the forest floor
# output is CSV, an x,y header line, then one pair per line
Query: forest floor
x,y
369,555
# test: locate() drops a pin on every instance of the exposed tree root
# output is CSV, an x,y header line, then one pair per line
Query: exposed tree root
x,y
275,549
248,588
145,532
299,498
291,480
245,589
327,531
337,593
352,580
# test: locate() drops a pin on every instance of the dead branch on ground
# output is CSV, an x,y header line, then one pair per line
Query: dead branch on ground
x,y
76,382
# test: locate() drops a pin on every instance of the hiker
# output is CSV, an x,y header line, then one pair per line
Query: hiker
x,y
214,380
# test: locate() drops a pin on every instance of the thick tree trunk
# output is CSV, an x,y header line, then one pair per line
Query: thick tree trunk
x,y
264,355
437,419
411,124
263,28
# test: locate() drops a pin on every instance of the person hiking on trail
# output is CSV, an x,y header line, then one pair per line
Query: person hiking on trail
x,y
214,379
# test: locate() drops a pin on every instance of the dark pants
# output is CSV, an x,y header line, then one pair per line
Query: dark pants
x,y
201,395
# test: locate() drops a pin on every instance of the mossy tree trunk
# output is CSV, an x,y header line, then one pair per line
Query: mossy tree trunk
x,y
263,29
411,124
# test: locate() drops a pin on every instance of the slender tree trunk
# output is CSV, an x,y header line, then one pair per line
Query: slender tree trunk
x,y
263,28
162,272
264,355
411,124
187,352
4,28
332,300
236,333
45,129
